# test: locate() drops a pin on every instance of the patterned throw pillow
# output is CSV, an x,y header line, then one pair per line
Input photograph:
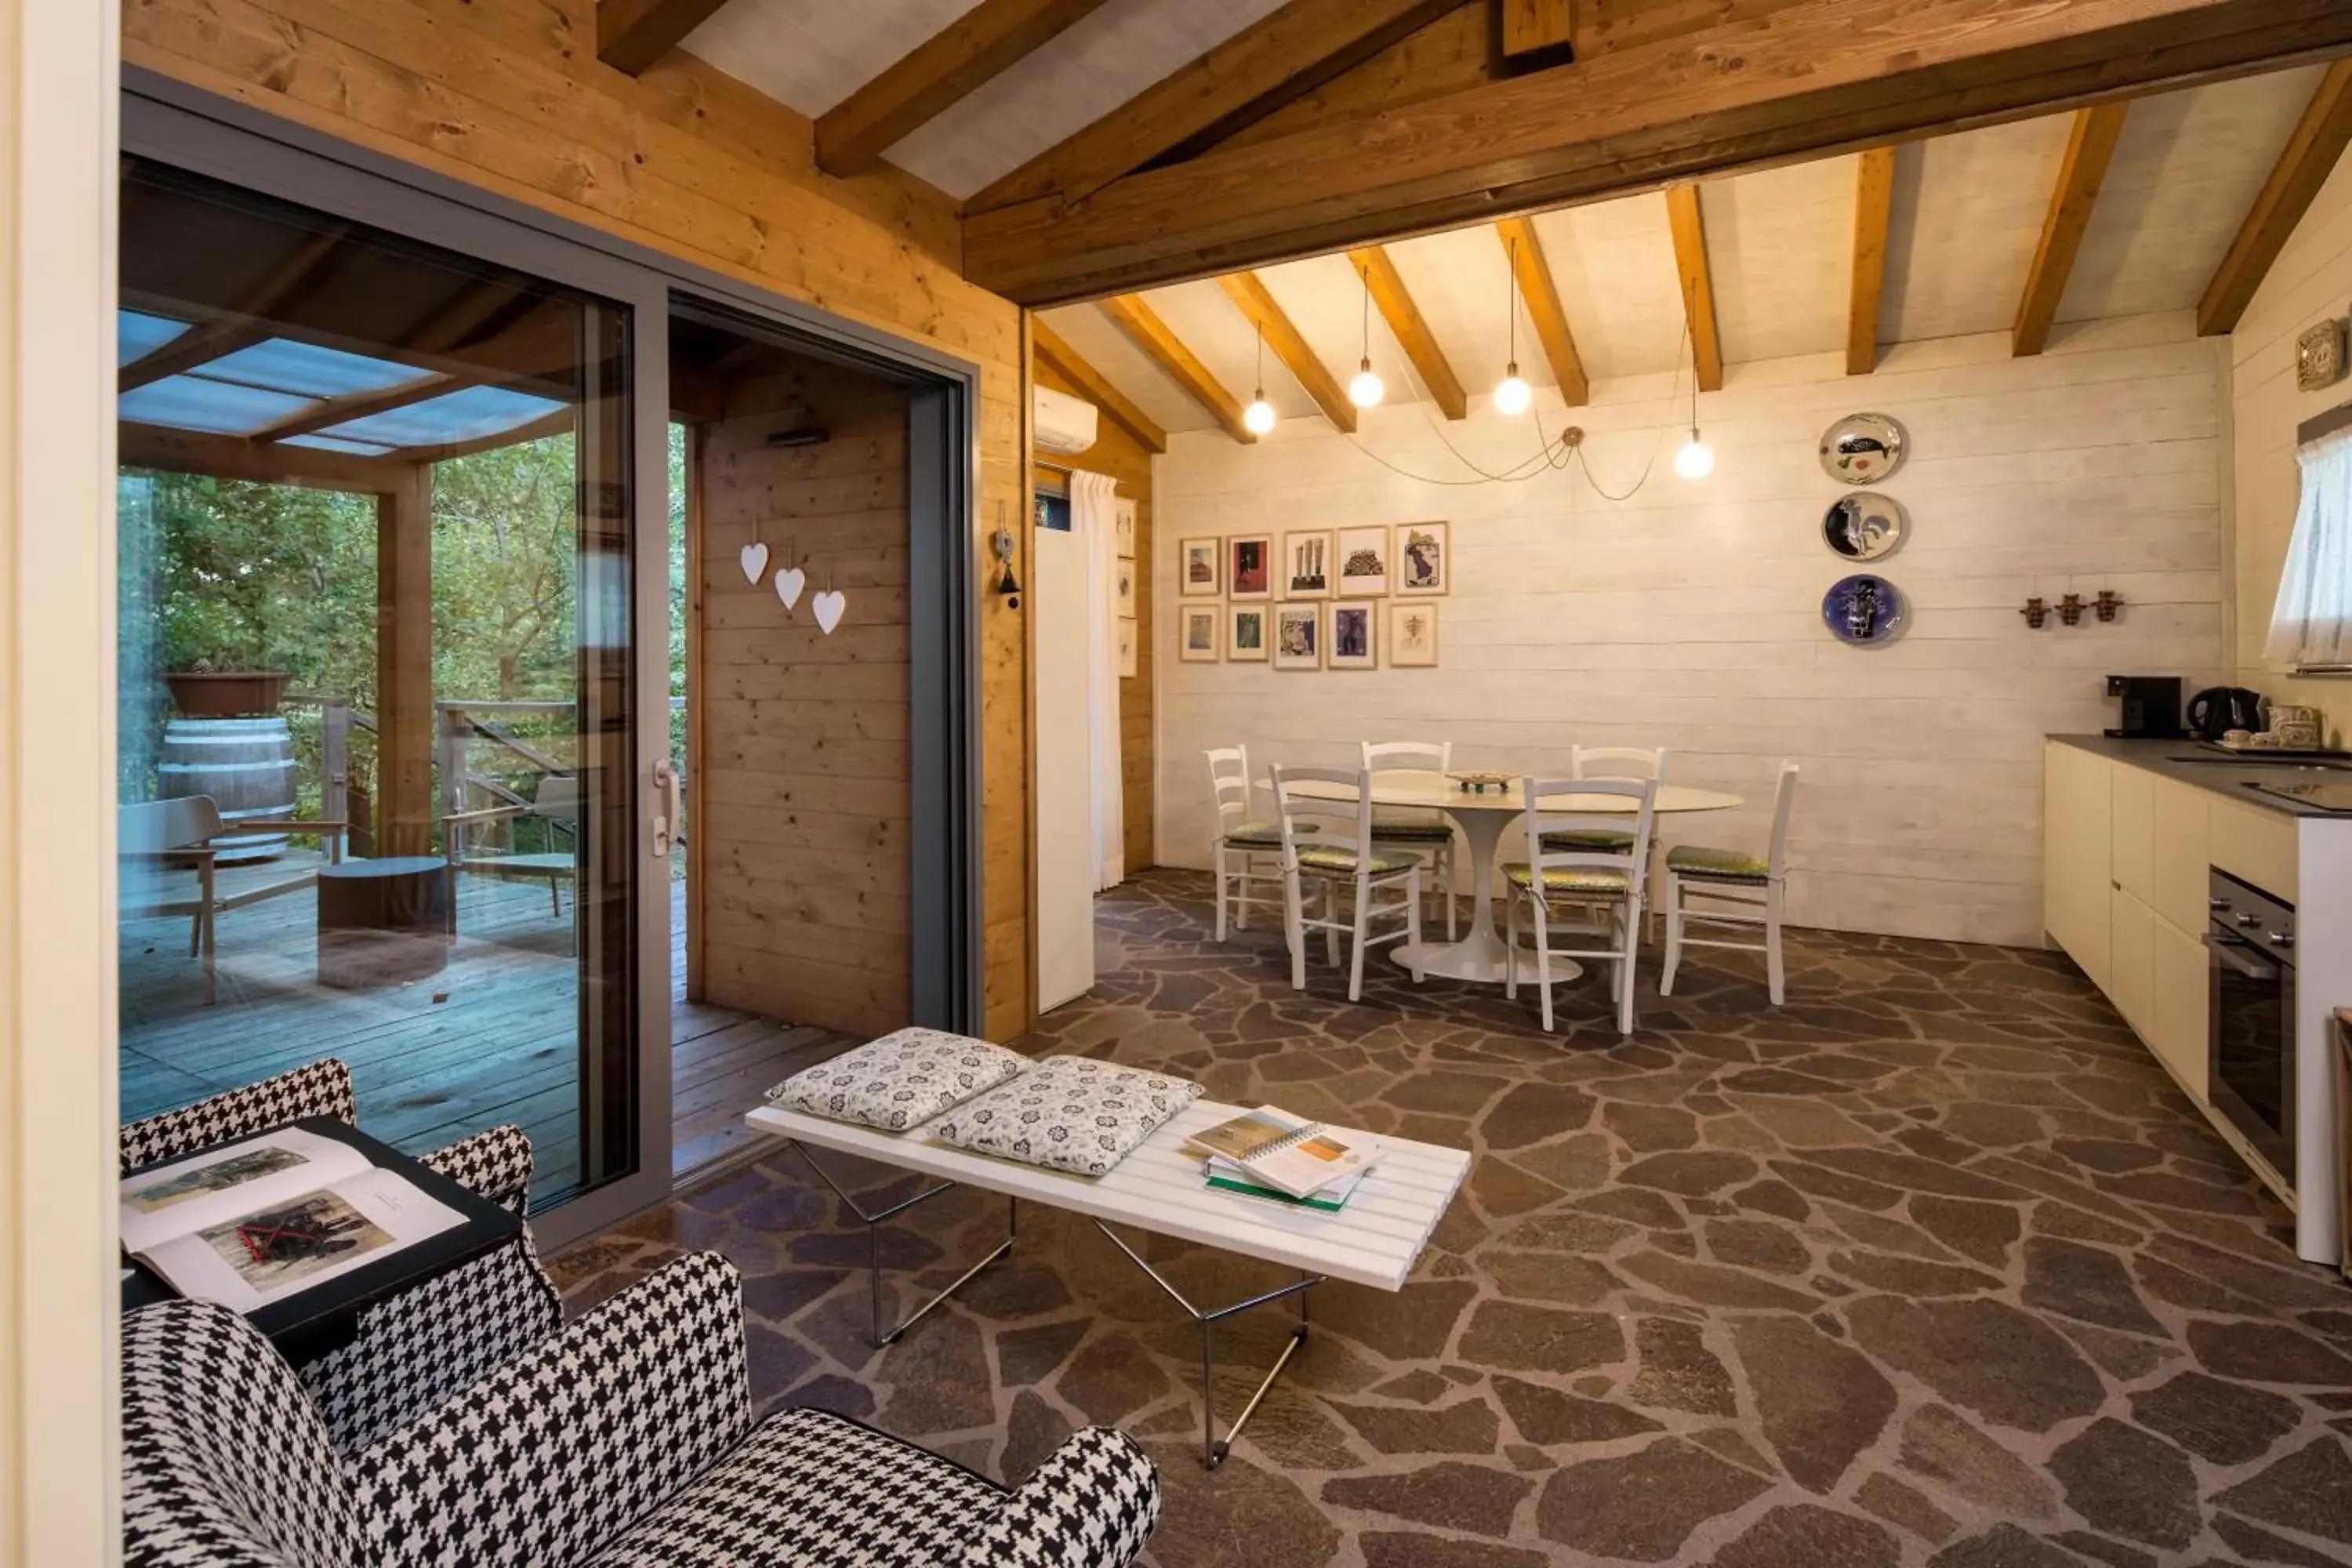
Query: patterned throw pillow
x,y
1071,1113
901,1081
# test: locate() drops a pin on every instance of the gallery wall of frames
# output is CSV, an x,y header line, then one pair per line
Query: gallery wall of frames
x,y
1322,590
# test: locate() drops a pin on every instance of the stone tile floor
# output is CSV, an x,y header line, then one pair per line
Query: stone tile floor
x,y
1931,1265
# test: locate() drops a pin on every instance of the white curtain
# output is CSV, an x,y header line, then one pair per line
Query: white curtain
x,y
2312,622
1092,502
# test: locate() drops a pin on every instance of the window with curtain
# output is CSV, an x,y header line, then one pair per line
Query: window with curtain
x,y
2312,622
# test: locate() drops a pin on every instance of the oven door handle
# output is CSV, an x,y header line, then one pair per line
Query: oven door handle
x,y
2225,948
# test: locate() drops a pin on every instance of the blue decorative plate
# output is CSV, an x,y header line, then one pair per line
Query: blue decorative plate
x,y
1864,610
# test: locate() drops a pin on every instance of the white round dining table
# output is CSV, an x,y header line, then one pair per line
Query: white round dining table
x,y
1481,816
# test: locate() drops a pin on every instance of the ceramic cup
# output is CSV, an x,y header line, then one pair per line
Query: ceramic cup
x,y
2237,737
2267,741
2297,734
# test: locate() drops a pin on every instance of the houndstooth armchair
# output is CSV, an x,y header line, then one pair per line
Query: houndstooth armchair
x,y
624,1441
422,1346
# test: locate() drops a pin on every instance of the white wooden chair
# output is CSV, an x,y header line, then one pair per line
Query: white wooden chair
x,y
556,803
1734,888
168,851
1614,762
1428,834
1244,847
1337,861
1588,879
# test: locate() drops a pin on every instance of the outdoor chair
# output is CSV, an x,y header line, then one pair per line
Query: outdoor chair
x,y
169,850
556,803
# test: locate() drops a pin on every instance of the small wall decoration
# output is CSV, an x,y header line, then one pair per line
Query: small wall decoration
x,y
1297,639
829,606
754,557
1196,566
1364,561
1412,637
1863,449
789,581
1196,632
2319,356
1352,639
1308,565
1249,566
1866,525
1245,633
1864,610
1425,558
1126,650
1122,528
1122,587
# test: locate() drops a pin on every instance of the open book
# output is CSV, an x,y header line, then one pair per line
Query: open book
x,y
1285,1152
250,1222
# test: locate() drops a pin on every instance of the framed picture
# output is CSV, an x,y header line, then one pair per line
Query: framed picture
x,y
1249,566
1412,637
1122,579
1122,528
1196,566
1196,632
1127,649
1298,637
1425,562
1245,633
1363,563
1352,639
1306,564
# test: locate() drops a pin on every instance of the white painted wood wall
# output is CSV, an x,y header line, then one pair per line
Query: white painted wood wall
x,y
1688,616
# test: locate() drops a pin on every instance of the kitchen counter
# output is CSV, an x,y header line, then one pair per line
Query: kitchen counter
x,y
2225,776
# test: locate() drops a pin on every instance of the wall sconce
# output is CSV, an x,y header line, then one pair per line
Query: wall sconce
x,y
2106,605
2036,612
2070,609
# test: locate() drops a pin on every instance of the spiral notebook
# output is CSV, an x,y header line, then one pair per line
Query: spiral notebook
x,y
1285,1152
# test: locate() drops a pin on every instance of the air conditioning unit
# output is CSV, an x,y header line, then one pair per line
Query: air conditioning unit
x,y
1065,424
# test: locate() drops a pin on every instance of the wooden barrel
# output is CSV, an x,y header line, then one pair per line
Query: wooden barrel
x,y
246,765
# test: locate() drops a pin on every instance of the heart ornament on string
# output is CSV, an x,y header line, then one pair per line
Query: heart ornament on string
x,y
828,606
789,583
755,561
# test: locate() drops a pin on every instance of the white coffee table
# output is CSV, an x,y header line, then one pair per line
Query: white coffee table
x,y
1374,1241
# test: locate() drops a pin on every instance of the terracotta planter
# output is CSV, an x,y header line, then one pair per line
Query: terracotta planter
x,y
226,693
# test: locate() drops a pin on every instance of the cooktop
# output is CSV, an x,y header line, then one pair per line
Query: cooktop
x,y
2320,796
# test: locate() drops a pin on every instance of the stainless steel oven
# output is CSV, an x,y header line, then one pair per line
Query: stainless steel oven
x,y
2250,947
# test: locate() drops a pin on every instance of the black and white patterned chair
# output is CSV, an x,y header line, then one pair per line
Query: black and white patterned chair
x,y
423,1345
626,1440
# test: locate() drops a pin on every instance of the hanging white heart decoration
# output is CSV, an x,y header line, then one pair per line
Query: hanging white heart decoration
x,y
755,561
828,606
789,583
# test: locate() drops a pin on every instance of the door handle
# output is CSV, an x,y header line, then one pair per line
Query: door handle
x,y
2224,949
666,820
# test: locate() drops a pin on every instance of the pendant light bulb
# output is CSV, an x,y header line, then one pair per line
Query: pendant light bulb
x,y
1259,417
1365,390
1513,396
1696,459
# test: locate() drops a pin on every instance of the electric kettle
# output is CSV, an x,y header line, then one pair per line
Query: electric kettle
x,y
2217,710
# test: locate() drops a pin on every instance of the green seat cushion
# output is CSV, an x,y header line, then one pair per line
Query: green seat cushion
x,y
1595,880
1398,829
1330,860
1254,836
1721,865
1601,838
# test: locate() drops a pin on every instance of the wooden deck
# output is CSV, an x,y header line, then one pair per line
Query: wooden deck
x,y
492,1038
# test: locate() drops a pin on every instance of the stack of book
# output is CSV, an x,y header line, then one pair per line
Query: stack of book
x,y
1270,1153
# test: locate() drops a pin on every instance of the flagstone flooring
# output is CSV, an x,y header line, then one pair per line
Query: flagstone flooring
x,y
1932,1266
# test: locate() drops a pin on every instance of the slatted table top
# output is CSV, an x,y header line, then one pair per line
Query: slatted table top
x,y
1375,1240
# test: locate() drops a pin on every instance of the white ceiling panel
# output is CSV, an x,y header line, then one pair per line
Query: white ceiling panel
x,y
1325,300
1780,246
1614,264
1462,283
811,54
1967,214
1094,339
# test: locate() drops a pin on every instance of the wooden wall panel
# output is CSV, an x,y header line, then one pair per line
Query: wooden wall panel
x,y
803,837
508,95
1128,461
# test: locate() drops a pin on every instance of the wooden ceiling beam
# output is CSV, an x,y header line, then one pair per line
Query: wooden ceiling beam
x,y
1395,302
1873,210
1533,34
1282,57
935,75
633,34
2090,147
1805,80
1143,324
1095,386
2311,154
1532,276
359,406
1688,223
1258,308
238,329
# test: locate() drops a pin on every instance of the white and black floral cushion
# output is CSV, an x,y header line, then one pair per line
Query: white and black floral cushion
x,y
1071,1113
901,1081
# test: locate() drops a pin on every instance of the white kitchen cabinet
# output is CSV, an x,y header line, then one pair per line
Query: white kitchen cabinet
x,y
2076,827
2180,1005
2131,959
2180,841
2131,831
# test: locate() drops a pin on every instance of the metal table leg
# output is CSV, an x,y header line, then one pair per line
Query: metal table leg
x,y
1214,1449
874,1223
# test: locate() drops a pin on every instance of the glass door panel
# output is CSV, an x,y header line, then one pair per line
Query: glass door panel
x,y
378,727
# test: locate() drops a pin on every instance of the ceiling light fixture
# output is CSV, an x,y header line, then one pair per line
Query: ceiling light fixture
x,y
1365,391
1696,459
1513,396
1259,417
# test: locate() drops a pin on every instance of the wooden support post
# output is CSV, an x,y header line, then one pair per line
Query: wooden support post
x,y
405,740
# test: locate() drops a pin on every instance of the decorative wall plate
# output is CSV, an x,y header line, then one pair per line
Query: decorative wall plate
x,y
1866,525
1863,449
2319,356
1864,610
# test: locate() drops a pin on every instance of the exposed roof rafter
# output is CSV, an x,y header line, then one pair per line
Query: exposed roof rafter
x,y
1179,363
1098,388
1874,207
2090,147
1688,223
633,34
1258,308
1531,274
238,329
1395,304
2311,155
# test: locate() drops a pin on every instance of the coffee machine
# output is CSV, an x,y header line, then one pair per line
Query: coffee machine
x,y
2151,707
